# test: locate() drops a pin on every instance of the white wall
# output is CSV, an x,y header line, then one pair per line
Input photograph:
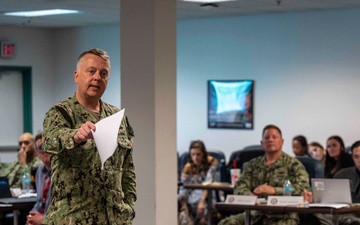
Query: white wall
x,y
305,65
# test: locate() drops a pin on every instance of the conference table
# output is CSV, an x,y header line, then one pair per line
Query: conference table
x,y
15,207
214,186
234,208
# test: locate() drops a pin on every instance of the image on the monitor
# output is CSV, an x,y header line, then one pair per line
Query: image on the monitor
x,y
230,104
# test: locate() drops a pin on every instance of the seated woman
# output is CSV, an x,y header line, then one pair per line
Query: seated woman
x,y
300,146
336,157
200,168
317,151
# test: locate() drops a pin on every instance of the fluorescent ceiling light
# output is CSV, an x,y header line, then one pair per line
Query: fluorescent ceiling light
x,y
36,13
208,1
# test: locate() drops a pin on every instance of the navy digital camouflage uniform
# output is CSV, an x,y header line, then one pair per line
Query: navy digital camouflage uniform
x,y
256,173
14,171
82,193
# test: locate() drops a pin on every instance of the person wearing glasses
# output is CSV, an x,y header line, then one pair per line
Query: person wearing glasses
x,y
43,182
353,175
81,191
27,161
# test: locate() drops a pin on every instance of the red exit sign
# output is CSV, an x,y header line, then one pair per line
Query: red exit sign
x,y
7,49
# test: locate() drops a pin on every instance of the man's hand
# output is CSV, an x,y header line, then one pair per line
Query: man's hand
x,y
307,196
84,132
22,156
264,189
34,218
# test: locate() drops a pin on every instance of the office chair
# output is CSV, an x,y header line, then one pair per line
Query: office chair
x,y
243,156
313,167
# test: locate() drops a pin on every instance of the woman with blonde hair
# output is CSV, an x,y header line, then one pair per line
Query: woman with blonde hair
x,y
317,151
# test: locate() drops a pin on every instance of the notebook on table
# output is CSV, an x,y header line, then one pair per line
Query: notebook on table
x,y
331,191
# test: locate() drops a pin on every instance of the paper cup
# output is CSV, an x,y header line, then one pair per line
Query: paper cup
x,y
235,174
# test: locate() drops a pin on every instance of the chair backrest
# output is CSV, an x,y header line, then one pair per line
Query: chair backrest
x,y
243,156
313,167
220,156
183,159
253,147
348,150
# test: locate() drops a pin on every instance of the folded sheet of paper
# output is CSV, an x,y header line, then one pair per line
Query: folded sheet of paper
x,y
106,135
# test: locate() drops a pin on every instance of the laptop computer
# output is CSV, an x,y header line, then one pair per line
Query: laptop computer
x,y
331,190
4,188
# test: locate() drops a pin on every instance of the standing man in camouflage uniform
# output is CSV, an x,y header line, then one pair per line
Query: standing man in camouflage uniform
x,y
27,161
265,175
82,193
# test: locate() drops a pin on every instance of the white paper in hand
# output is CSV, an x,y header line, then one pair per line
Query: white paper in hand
x,y
106,135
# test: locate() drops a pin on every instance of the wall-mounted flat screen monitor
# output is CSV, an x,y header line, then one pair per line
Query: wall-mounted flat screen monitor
x,y
231,104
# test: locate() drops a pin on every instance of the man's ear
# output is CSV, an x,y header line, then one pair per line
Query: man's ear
x,y
76,75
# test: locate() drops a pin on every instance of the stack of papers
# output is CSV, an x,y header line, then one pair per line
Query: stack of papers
x,y
331,205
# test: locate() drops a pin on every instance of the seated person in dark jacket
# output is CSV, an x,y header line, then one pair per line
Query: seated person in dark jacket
x,y
352,174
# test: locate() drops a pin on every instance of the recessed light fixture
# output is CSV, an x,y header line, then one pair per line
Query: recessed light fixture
x,y
49,12
207,1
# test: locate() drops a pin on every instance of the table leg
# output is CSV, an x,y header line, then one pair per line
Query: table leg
x,y
209,206
16,217
247,217
335,219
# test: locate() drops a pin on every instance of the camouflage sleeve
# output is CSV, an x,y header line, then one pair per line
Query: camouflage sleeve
x,y
299,178
128,179
243,185
57,134
13,172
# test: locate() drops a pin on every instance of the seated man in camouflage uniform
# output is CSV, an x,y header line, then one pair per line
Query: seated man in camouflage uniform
x,y
265,175
27,160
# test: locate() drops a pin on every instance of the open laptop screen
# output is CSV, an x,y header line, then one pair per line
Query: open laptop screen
x,y
331,190
4,188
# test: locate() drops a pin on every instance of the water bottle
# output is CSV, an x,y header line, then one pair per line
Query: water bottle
x,y
26,182
287,187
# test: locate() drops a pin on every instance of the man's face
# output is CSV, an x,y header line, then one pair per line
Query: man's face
x,y
91,76
44,157
356,157
26,143
272,141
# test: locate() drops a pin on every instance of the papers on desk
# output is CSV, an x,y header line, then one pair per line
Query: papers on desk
x,y
5,205
106,135
330,205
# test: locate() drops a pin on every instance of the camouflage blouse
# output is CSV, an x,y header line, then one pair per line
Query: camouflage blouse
x,y
256,172
82,193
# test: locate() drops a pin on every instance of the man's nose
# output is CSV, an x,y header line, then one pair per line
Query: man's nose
x,y
97,75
